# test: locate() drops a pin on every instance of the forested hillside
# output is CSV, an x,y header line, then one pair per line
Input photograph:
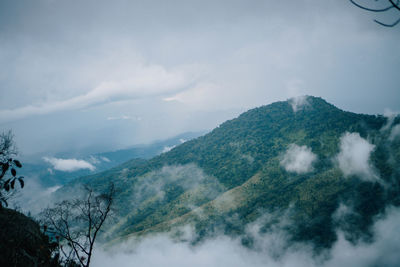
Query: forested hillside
x,y
304,160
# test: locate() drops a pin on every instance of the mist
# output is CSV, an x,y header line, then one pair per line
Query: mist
x,y
298,159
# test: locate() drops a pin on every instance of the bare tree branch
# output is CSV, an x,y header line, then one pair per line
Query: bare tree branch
x,y
393,5
370,9
388,25
79,222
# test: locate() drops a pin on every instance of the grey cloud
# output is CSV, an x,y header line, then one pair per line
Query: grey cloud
x,y
147,81
53,54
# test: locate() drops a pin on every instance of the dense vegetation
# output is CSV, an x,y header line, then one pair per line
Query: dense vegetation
x,y
231,176
22,242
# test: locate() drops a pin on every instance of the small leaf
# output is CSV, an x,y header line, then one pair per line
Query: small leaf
x,y
21,182
13,172
7,187
17,163
7,181
5,167
12,184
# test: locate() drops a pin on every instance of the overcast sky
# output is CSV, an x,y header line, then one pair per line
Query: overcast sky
x,y
109,74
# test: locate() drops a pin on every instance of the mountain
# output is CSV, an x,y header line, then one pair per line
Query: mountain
x,y
48,176
302,159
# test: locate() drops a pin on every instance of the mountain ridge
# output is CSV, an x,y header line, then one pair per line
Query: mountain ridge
x,y
241,160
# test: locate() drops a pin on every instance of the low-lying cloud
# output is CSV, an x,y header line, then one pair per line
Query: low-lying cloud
x,y
298,159
270,249
354,156
33,197
69,165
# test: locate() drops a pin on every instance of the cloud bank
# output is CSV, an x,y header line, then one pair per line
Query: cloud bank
x,y
353,158
270,249
69,165
298,159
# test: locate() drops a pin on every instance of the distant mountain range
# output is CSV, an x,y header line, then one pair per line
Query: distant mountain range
x,y
323,168
48,175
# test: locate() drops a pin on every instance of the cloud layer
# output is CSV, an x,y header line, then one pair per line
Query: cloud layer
x,y
143,81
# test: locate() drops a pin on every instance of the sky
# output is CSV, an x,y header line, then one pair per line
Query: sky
x,y
101,75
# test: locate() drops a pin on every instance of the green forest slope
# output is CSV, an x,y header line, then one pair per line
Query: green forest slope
x,y
231,176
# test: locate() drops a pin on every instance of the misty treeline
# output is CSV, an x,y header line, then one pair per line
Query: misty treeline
x,y
66,232
385,6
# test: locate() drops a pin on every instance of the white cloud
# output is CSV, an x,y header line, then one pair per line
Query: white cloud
x,y
142,82
298,159
69,165
354,155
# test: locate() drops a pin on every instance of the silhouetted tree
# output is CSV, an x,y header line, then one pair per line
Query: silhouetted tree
x,y
8,165
391,5
75,224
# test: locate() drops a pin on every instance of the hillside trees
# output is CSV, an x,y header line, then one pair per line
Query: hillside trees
x,y
8,164
77,223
